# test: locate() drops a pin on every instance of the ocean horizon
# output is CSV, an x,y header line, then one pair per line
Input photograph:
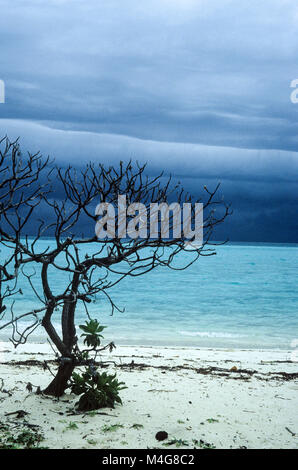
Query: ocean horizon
x,y
244,297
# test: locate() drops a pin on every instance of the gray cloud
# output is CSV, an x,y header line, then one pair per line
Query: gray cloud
x,y
181,159
212,72
261,184
199,87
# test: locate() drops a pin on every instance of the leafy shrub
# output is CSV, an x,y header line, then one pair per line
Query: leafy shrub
x,y
96,390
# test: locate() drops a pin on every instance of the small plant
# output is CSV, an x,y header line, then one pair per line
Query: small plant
x,y
29,439
71,427
26,439
92,442
177,443
92,413
97,390
212,420
202,444
112,427
136,426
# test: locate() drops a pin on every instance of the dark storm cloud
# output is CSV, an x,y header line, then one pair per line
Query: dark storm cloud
x,y
260,184
199,87
215,72
181,159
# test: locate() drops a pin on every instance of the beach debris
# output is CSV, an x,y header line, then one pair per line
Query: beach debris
x,y
277,362
19,413
29,387
161,436
234,369
3,390
291,432
282,398
243,374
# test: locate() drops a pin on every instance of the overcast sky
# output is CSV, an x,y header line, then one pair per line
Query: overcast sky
x,y
200,88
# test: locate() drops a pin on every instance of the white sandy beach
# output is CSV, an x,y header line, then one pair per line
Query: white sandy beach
x,y
192,394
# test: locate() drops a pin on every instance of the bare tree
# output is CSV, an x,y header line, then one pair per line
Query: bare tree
x,y
91,265
21,192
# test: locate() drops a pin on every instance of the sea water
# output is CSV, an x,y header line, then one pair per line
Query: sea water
x,y
244,297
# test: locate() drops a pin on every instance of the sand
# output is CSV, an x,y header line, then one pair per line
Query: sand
x,y
192,394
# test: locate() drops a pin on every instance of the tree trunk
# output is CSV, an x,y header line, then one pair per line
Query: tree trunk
x,y
59,384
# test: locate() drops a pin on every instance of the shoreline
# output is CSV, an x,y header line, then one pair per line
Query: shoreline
x,y
41,340
226,398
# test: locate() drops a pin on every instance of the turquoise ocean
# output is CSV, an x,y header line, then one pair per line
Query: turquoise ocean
x,y
244,297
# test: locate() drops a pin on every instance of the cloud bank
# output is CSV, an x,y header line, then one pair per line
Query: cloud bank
x,y
200,88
